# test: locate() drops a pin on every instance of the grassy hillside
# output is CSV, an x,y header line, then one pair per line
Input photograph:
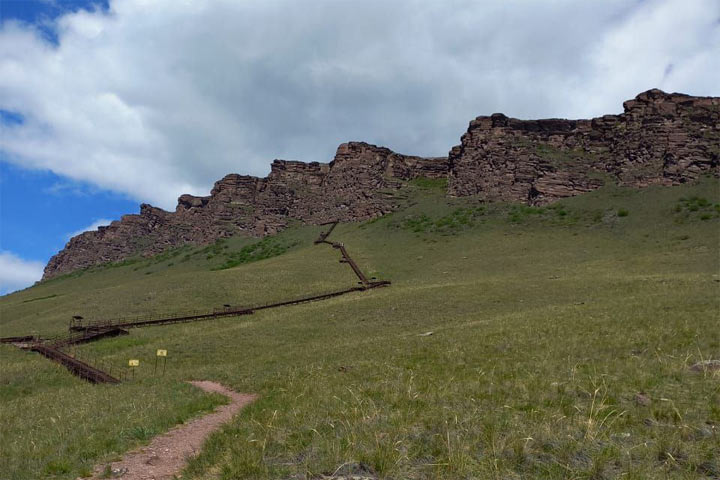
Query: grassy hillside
x,y
546,325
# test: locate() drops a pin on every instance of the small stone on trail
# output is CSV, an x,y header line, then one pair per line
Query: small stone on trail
x,y
119,472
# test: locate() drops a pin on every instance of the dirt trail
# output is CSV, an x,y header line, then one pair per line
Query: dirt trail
x,y
166,455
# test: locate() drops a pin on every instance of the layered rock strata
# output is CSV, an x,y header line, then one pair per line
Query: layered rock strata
x,y
660,138
360,183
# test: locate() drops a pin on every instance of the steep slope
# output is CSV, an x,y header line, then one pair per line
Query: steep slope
x,y
661,139
358,184
562,341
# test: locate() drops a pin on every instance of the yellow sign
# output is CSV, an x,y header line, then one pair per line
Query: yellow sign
x,y
162,353
134,363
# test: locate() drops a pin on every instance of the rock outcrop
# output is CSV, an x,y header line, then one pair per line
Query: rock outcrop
x,y
358,184
660,138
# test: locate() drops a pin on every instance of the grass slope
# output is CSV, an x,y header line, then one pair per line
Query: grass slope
x,y
546,323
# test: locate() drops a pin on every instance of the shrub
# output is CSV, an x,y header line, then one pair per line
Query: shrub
x,y
460,219
701,205
266,248
58,467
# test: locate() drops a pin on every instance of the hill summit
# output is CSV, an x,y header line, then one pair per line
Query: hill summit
x,y
661,138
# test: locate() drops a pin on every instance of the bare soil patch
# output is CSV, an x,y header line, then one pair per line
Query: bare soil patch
x,y
167,454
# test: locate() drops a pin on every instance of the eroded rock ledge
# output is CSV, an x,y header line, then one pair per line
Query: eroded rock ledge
x,y
358,184
659,139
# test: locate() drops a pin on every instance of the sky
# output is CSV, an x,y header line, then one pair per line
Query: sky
x,y
108,104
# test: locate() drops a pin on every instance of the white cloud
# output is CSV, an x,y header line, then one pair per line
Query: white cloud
x,y
672,45
161,98
16,273
92,227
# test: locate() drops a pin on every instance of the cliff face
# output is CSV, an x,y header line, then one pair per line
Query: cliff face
x,y
358,184
660,139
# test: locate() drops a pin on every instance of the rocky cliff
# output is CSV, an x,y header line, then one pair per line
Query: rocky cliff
x,y
358,184
659,139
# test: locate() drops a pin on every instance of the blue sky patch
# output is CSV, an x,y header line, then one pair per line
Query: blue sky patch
x,y
41,13
39,210
10,118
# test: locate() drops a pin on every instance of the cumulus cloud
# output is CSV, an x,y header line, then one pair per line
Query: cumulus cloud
x,y
93,226
159,98
16,273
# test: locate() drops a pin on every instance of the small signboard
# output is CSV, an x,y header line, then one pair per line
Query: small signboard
x,y
161,352
133,363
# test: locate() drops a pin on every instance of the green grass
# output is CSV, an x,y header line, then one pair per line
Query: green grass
x,y
695,207
266,248
545,326
39,298
430,183
458,220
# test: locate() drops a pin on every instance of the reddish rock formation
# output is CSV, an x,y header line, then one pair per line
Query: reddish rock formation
x,y
358,184
659,139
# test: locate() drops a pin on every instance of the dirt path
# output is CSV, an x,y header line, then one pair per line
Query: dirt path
x,y
166,455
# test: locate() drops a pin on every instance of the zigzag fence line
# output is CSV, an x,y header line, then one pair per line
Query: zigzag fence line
x,y
81,332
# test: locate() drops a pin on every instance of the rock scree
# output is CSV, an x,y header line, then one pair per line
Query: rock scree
x,y
167,454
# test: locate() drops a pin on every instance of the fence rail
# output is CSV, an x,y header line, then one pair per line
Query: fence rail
x,y
83,332
76,366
